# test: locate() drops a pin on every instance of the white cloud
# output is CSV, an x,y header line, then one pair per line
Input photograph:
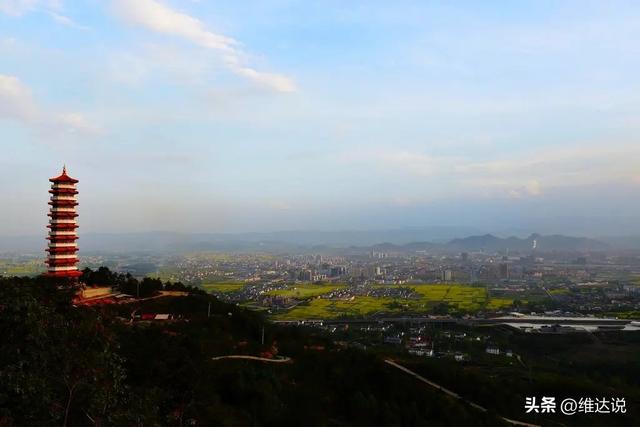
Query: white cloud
x,y
17,104
160,18
531,188
51,7
276,81
516,176
15,100
65,20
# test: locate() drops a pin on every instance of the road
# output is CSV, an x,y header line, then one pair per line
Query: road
x,y
259,359
473,321
453,394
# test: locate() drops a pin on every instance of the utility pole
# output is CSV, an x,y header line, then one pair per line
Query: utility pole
x,y
209,310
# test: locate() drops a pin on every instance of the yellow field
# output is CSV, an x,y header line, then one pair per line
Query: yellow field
x,y
467,298
326,309
306,290
457,297
499,303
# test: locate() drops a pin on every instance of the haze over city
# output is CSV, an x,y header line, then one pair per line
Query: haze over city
x,y
295,115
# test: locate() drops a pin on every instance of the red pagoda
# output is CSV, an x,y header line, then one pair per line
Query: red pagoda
x,y
62,260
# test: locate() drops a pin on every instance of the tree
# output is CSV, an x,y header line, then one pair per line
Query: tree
x,y
58,363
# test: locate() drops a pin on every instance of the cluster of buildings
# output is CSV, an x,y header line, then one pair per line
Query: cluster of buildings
x,y
396,268
420,340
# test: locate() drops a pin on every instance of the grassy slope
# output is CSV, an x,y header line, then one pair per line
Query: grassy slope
x,y
222,287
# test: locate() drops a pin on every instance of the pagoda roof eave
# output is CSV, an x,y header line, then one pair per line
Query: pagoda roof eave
x,y
63,177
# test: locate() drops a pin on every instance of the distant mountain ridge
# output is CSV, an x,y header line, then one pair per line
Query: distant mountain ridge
x,y
164,241
491,243
405,240
556,242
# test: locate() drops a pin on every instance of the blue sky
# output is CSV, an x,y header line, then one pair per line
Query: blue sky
x,y
268,115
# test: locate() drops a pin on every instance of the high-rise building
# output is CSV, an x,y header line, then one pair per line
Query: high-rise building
x,y
447,275
305,275
62,259
504,271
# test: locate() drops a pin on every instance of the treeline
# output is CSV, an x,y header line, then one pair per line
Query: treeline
x,y
58,365
127,284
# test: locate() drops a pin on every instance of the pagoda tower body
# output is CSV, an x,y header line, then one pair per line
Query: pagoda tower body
x,y
62,259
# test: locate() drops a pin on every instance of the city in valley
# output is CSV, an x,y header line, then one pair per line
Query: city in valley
x,y
271,213
455,280
394,282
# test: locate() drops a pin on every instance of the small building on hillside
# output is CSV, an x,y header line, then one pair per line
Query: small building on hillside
x,y
493,350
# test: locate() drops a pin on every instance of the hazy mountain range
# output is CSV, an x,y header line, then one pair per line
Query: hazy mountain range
x,y
491,243
436,239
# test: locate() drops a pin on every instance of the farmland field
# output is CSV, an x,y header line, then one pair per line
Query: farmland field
x,y
325,309
457,297
467,298
306,290
21,268
498,303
